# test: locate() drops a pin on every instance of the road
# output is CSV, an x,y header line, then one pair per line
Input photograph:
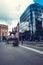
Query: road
x,y
10,55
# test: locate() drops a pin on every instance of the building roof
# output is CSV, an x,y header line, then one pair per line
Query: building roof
x,y
3,26
37,5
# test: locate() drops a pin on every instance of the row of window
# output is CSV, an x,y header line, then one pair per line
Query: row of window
x,y
28,12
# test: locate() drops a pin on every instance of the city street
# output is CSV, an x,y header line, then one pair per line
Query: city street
x,y
21,55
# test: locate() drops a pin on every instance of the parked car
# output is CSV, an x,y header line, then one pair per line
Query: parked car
x,y
13,41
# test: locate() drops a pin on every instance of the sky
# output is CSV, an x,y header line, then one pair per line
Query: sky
x,y
39,1
11,10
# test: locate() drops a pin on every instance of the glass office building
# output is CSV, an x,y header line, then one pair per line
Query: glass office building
x,y
34,15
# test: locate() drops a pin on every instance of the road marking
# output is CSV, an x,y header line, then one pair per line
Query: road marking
x,y
32,49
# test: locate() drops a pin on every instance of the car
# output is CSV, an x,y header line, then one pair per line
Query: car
x,y
13,41
10,40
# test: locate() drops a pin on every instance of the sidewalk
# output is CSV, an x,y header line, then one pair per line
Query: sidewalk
x,y
32,43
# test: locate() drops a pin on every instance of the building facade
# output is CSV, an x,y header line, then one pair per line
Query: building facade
x,y
33,14
15,32
3,31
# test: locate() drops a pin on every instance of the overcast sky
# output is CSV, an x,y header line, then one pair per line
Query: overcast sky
x,y
11,10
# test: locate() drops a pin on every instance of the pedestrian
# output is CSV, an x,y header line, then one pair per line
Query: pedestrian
x,y
22,42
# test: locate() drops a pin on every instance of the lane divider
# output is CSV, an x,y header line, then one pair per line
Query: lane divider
x,y
32,49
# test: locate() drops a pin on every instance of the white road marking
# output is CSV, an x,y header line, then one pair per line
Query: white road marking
x,y
32,49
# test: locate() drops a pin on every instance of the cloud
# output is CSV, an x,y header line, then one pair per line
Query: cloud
x,y
11,10
13,24
3,22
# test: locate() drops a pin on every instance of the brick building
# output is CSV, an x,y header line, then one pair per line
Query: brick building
x,y
3,31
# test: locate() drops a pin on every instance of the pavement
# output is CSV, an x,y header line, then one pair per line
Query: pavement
x,y
35,45
21,55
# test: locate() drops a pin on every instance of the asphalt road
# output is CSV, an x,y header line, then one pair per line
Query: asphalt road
x,y
10,55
